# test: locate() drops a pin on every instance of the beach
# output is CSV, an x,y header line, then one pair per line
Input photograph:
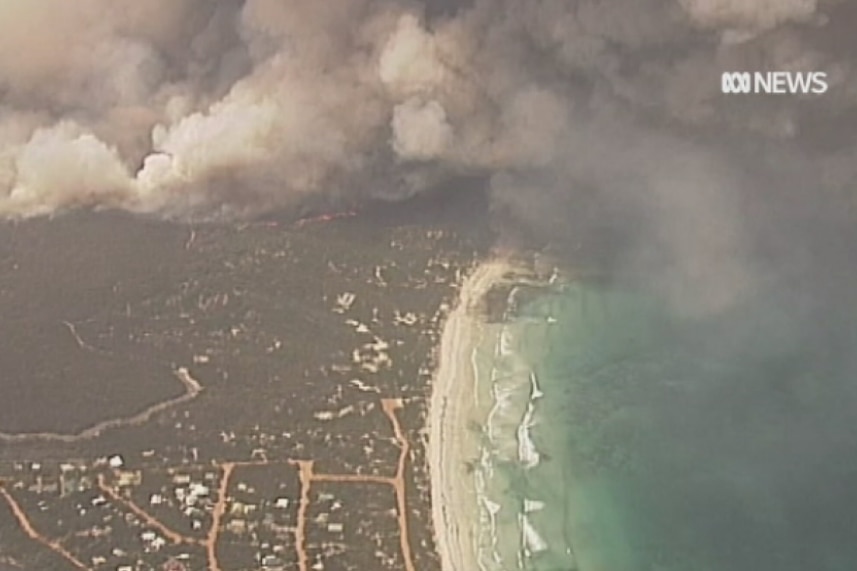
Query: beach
x,y
451,443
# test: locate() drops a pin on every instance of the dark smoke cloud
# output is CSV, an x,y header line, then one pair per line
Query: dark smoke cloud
x,y
188,106
230,108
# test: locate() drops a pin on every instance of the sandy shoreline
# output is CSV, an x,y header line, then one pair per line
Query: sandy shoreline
x,y
454,510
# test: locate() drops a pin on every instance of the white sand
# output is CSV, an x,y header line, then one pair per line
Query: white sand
x,y
454,502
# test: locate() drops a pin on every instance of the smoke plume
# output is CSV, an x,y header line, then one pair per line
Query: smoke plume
x,y
189,108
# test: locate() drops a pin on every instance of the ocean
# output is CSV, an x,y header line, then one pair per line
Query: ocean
x,y
620,435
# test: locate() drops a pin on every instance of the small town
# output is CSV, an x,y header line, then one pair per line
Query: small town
x,y
126,515
237,442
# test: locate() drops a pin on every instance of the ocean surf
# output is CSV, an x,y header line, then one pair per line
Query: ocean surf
x,y
607,432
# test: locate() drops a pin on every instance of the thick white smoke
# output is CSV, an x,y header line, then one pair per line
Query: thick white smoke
x,y
195,107
756,16
229,108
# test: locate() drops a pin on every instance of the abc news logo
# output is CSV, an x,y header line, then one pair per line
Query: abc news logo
x,y
774,82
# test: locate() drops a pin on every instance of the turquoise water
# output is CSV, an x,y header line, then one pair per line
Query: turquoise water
x,y
624,437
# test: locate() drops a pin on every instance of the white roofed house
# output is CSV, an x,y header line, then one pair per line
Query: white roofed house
x,y
199,490
281,503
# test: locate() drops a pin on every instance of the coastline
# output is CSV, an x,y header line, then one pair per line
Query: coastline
x,y
453,493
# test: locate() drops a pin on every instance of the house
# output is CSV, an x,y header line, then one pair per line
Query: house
x,y
239,508
173,565
272,562
127,478
281,503
199,490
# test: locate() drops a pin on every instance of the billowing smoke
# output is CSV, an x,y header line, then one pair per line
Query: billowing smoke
x,y
231,108
187,106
